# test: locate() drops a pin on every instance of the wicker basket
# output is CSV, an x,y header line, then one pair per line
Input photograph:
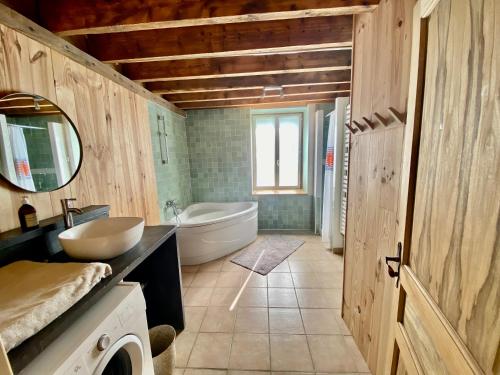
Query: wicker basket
x,y
162,340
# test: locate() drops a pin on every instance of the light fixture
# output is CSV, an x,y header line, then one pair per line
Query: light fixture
x,y
272,88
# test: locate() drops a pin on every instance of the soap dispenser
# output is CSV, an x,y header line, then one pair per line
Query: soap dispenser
x,y
27,216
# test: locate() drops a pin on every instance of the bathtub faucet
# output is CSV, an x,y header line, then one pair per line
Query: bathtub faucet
x,y
173,205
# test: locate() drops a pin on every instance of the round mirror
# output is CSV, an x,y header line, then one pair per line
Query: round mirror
x,y
40,149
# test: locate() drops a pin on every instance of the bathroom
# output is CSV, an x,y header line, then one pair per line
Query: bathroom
x,y
255,187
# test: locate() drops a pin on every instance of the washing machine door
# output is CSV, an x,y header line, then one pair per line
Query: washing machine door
x,y
124,357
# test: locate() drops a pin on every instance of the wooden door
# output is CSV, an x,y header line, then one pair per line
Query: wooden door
x,y
447,311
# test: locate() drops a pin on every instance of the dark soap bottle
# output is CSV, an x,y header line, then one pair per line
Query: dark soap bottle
x,y
27,216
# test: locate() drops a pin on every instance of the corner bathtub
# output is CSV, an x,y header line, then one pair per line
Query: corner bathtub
x,y
209,231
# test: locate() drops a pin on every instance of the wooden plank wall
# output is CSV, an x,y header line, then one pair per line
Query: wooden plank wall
x,y
113,124
455,249
381,62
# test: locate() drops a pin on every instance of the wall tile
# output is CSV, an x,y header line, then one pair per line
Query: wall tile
x,y
219,143
173,179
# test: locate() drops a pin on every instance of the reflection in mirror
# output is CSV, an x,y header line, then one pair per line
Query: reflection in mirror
x,y
39,146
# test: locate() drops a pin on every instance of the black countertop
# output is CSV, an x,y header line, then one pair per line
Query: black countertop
x,y
153,237
17,236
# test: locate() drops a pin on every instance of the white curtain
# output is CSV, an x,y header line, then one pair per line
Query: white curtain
x,y
20,158
326,225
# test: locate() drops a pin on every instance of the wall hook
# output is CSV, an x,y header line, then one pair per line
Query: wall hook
x,y
370,123
353,131
358,125
381,119
399,117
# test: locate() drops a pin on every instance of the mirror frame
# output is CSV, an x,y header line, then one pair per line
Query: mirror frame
x,y
77,170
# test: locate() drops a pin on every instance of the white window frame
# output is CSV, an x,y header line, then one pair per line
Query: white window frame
x,y
276,116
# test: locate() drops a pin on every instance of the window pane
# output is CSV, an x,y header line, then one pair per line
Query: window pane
x,y
264,151
289,140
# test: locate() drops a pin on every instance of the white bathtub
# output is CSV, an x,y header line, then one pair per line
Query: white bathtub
x,y
209,231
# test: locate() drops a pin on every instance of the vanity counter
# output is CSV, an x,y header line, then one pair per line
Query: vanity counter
x,y
153,262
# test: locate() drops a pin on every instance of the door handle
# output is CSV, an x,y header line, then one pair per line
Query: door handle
x,y
397,260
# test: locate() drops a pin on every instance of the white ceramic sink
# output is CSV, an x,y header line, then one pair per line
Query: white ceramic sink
x,y
102,238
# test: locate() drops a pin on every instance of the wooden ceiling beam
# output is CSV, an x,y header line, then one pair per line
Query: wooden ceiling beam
x,y
275,101
297,35
17,22
238,66
78,17
236,83
257,92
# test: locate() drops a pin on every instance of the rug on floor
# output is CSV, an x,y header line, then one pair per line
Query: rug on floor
x,y
263,256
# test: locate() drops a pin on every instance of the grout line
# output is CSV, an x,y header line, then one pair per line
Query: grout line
x,y
268,323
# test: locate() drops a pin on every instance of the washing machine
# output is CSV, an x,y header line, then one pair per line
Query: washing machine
x,y
109,338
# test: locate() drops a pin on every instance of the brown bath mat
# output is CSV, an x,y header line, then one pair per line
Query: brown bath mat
x,y
263,256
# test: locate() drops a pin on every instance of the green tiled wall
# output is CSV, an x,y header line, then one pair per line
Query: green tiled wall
x,y
219,142
173,179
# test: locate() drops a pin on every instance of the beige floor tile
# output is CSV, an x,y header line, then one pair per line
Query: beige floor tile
x,y
322,321
308,252
253,297
330,280
280,280
356,354
187,278
229,266
282,297
290,353
252,320
301,266
213,266
189,269
211,350
282,267
305,280
205,279
223,296
183,346
197,296
194,317
229,280
331,354
334,297
325,266
218,319
317,276
285,321
343,327
318,298
256,280
250,352
178,371
203,371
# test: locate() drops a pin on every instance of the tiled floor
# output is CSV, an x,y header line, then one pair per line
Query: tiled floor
x,y
239,322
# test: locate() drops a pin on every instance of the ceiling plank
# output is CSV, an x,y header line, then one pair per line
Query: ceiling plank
x,y
223,40
330,97
257,92
238,66
232,83
15,21
78,17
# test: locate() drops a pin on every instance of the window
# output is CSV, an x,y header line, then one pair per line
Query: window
x,y
277,151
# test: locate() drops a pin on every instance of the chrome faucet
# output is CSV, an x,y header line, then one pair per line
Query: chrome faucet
x,y
68,210
172,204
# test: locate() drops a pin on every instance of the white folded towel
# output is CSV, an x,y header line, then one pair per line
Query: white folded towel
x,y
33,294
